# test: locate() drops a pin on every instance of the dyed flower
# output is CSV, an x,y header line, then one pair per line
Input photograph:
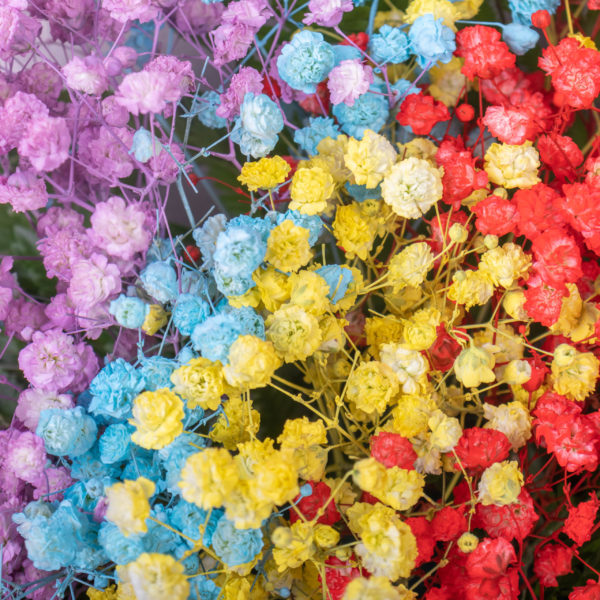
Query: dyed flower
x,y
348,80
327,13
389,45
46,143
252,362
500,483
512,166
66,432
431,41
128,505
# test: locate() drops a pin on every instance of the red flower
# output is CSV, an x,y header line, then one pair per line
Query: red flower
x,y
590,591
505,587
271,87
484,53
479,448
318,103
496,215
393,450
360,39
339,574
541,19
542,303
512,521
561,154
510,125
435,593
582,209
440,226
539,370
421,113
422,530
552,561
538,210
449,523
557,258
578,525
443,352
310,505
491,558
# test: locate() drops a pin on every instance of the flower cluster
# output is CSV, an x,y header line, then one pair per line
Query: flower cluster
x,y
372,373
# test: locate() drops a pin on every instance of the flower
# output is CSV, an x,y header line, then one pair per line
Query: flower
x,y
154,577
130,312
239,251
236,546
520,38
66,432
370,158
512,166
410,266
421,113
46,143
409,366
372,386
500,483
327,13
412,187
473,366
157,417
575,373
311,188
375,588
369,111
142,10
128,506
267,173
93,281
389,45
86,75
305,61
252,362
201,383
288,248
431,41
160,281
348,80
244,80
318,129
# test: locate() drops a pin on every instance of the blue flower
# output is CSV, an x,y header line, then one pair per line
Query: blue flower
x,y
68,431
431,41
361,192
403,88
188,519
129,311
232,286
311,222
114,389
114,443
175,455
193,282
143,466
519,38
261,226
160,281
239,251
78,496
523,9
250,322
143,146
214,337
236,546
205,107
160,539
189,311
203,588
119,548
319,128
345,52
305,61
90,466
185,355
370,111
338,279
389,45
258,126
156,371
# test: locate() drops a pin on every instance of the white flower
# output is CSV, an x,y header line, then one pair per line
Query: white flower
x,y
409,366
511,419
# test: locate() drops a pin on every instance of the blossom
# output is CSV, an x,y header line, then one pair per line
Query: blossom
x,y
145,92
130,312
369,111
157,417
348,80
512,166
519,38
580,522
46,143
421,113
267,173
26,456
33,401
244,80
389,45
93,280
160,281
288,248
473,366
236,546
252,362
123,11
327,13
318,129
86,75
128,506
23,190
431,41
294,333
69,431
500,483
552,561
201,383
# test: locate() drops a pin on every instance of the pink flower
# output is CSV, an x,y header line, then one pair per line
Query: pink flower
x,y
26,456
52,481
17,31
86,75
15,117
327,13
93,280
59,217
164,167
231,42
43,81
114,114
33,401
60,250
179,76
23,318
23,191
349,80
195,16
61,313
105,151
144,92
252,13
118,228
52,361
7,285
126,10
245,80
46,143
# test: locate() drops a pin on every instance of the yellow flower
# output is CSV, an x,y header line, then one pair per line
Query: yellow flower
x,y
420,331
248,298
419,147
293,545
252,362
332,333
517,372
128,506
311,188
500,484
158,419
156,318
445,431
236,424
574,373
369,159
410,266
302,440
399,488
411,415
467,9
440,9
372,387
331,158
309,291
467,542
326,536
208,477
300,432
155,577
505,264
381,330
409,366
412,187
512,419
473,366
570,311
471,288
513,303
376,588
387,546
265,173
354,232
287,247
447,81
513,166
275,480
108,593
201,382
295,333
273,286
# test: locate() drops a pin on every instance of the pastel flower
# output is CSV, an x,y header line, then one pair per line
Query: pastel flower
x,y
129,10
26,456
319,128
93,281
431,41
46,143
236,546
129,311
245,80
160,281
369,111
327,13
65,432
23,190
86,75
128,506
389,45
349,80
33,401
189,311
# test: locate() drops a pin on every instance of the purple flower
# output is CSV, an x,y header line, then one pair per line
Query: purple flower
x,y
104,150
42,81
7,285
195,16
17,31
93,281
114,114
52,361
143,92
23,318
26,456
60,250
86,75
61,313
52,481
15,117
349,80
327,13
179,77
33,401
46,143
57,218
129,10
245,80
23,191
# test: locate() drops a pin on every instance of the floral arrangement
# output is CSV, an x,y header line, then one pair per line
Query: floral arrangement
x,y
365,366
